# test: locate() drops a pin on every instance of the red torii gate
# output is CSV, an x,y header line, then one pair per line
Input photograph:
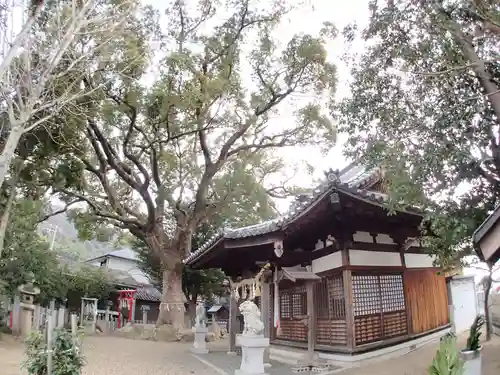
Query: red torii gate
x,y
127,295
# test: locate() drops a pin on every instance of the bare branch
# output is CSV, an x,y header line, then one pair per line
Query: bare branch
x,y
60,211
28,82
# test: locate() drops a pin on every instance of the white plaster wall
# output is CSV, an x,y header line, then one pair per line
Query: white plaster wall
x,y
419,261
129,266
327,262
362,237
385,239
374,258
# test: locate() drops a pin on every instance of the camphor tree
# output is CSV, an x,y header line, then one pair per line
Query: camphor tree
x,y
425,104
42,72
159,161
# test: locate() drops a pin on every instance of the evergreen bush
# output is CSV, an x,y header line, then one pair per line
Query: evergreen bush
x,y
67,358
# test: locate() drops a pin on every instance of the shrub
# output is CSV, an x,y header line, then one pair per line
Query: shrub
x,y
67,358
447,360
473,342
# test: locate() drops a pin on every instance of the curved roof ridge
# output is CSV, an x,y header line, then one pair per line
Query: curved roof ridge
x,y
352,176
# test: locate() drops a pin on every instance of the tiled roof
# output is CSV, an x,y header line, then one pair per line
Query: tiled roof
x,y
124,253
348,180
298,273
120,277
148,293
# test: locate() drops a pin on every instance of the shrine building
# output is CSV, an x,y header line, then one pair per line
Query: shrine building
x,y
346,275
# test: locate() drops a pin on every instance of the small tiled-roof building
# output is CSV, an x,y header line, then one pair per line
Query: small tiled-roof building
x,y
340,257
124,271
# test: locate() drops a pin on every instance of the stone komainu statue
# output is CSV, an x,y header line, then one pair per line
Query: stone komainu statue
x,y
253,325
201,316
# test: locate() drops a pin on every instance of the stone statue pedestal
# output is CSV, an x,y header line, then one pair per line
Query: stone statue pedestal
x,y
199,344
252,354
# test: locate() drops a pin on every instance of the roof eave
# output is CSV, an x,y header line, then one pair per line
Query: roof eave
x,y
190,261
382,204
486,225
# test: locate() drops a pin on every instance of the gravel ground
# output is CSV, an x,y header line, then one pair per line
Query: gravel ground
x,y
118,356
110,356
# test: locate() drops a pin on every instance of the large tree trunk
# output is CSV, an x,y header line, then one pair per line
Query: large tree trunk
x,y
172,308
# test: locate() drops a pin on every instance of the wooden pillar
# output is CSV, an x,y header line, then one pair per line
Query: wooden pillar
x,y
134,302
264,313
409,324
349,308
81,312
276,304
233,322
265,308
311,321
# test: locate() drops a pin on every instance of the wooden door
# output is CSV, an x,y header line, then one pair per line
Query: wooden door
x,y
427,300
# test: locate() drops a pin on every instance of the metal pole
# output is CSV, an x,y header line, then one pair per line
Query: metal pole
x,y
52,243
50,327
74,326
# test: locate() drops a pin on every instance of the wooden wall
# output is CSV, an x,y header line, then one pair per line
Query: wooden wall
x,y
427,300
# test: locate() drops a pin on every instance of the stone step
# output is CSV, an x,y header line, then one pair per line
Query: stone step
x,y
286,355
284,359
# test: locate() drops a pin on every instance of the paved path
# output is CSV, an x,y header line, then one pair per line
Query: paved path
x,y
118,356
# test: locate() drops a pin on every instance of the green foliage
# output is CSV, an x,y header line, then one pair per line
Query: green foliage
x,y
422,106
67,358
26,254
86,281
473,342
447,360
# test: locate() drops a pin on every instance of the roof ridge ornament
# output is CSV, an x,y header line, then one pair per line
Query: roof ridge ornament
x,y
333,176
278,248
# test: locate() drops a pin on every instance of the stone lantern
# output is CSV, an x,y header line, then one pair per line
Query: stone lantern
x,y
28,292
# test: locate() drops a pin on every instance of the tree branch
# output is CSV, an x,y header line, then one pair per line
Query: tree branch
x,y
60,211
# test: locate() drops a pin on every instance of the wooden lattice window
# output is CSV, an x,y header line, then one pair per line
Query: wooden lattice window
x,y
285,306
336,297
392,291
329,298
379,307
321,299
366,295
293,303
299,304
